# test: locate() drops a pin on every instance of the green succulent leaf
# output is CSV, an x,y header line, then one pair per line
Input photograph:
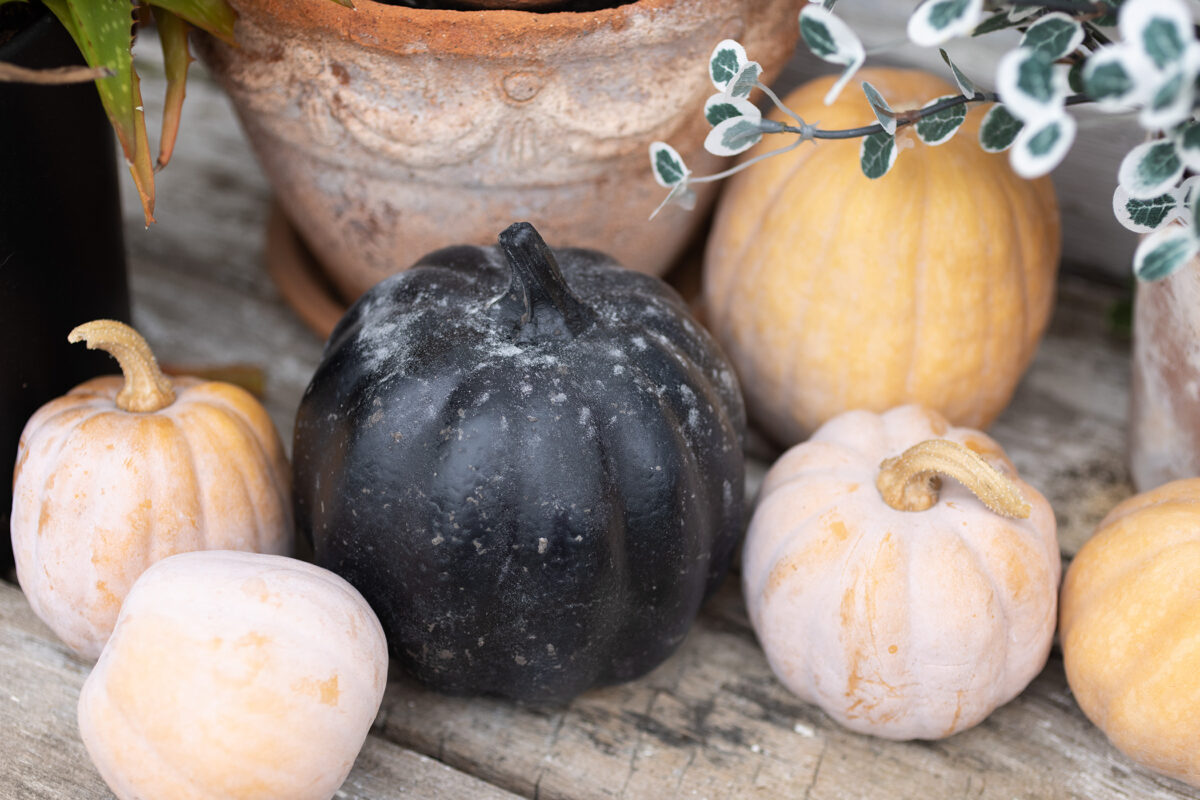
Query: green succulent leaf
x,y
998,130
1150,169
173,33
1054,36
215,16
938,127
1165,252
877,154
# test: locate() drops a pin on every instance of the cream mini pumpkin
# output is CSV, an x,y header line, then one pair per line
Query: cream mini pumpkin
x,y
930,285
119,473
1130,628
902,609
234,675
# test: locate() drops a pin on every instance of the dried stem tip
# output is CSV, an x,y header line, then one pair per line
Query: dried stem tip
x,y
146,389
910,481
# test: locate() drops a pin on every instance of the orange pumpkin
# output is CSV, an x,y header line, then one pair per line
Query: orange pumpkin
x,y
1130,628
234,675
931,285
117,474
902,609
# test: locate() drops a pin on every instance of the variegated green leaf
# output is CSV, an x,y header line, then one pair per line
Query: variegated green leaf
x,y
1144,216
1160,28
877,154
1054,36
667,165
828,37
937,21
1112,77
721,107
1165,252
733,136
726,61
940,126
1032,87
1150,169
1187,145
965,86
1040,146
998,130
883,112
997,22
744,82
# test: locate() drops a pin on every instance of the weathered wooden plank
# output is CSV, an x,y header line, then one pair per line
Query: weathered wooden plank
x,y
713,722
43,757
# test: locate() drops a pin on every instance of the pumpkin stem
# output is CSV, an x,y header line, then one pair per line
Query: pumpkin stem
x,y
538,299
146,389
910,481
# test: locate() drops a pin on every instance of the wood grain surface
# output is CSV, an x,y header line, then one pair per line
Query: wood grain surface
x,y
709,723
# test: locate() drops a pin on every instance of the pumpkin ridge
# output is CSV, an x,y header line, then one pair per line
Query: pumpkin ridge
x,y
919,291
201,409
1030,337
279,473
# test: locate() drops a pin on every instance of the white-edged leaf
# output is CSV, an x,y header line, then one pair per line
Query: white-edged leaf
x,y
1018,13
667,164
877,154
681,195
1054,35
1165,252
883,112
721,107
938,127
1159,28
1040,146
745,81
1145,216
1031,86
1187,145
1150,169
733,136
998,130
726,61
843,79
937,21
1170,101
965,86
1116,77
828,37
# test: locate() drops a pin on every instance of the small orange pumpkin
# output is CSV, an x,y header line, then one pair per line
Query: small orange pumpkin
x,y
1130,628
234,675
930,285
116,475
903,607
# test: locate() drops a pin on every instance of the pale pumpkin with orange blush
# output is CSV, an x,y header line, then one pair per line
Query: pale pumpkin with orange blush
x,y
900,575
930,285
1130,628
234,675
121,472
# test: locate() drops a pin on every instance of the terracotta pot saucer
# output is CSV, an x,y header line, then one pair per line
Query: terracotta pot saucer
x,y
304,286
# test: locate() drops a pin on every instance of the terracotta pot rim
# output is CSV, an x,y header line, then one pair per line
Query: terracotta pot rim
x,y
486,32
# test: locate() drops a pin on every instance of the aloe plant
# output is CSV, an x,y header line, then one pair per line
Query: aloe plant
x,y
104,32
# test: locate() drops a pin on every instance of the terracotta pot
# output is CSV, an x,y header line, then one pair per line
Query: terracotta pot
x,y
1164,430
389,131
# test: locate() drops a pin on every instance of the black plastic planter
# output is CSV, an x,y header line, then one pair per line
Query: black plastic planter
x,y
62,256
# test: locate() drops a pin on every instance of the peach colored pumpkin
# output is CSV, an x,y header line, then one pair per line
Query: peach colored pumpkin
x,y
1130,628
117,474
831,291
234,675
906,624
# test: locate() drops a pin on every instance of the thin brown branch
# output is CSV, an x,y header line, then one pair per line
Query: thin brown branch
x,y
12,73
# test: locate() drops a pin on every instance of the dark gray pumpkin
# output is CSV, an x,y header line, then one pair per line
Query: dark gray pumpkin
x,y
534,476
